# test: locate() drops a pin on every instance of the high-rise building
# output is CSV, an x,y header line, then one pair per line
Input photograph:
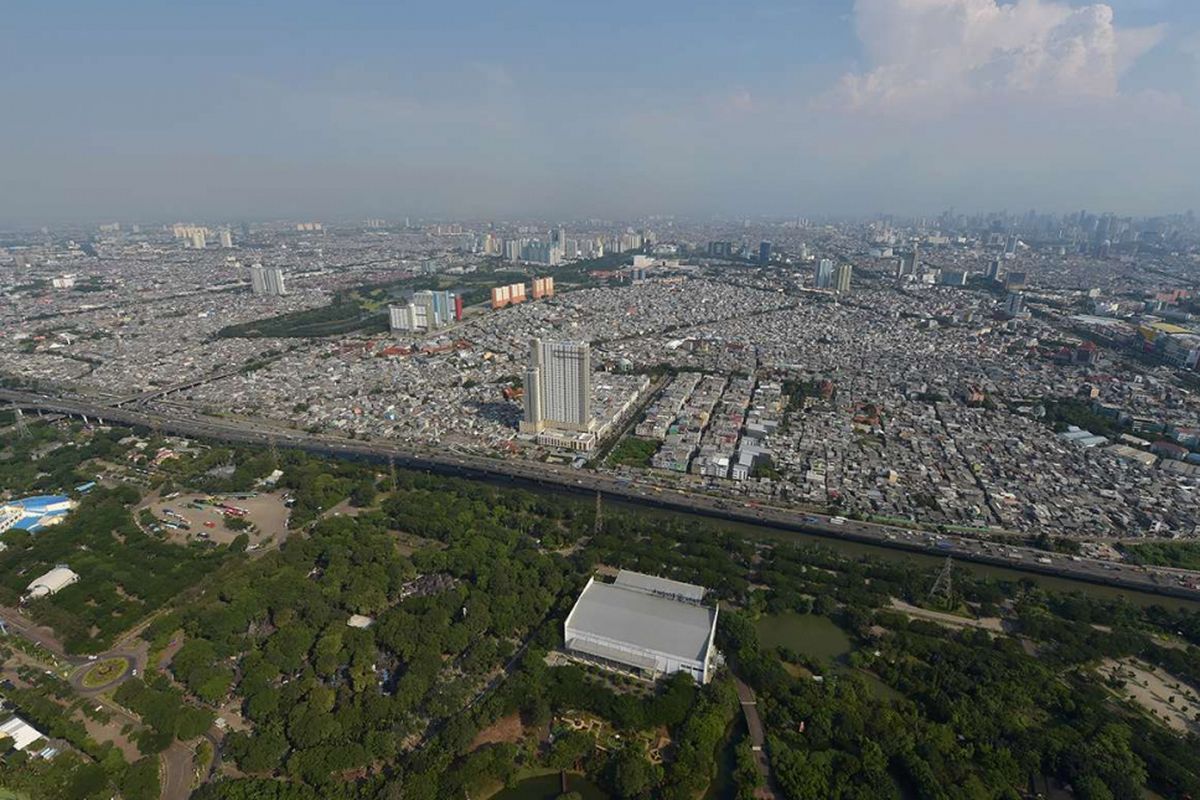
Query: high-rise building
x,y
266,280
1010,246
198,238
508,295
402,317
841,278
226,238
543,287
993,272
954,277
558,386
910,263
427,310
500,296
823,278
1015,304
539,252
720,249
764,252
512,250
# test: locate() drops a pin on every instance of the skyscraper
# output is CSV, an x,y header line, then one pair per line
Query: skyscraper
x,y
823,278
841,278
426,310
993,272
198,238
266,280
226,239
1010,246
764,252
1015,304
558,386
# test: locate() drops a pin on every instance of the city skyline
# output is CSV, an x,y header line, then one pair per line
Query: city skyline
x,y
792,110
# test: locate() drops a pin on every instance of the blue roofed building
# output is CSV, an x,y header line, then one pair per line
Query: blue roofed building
x,y
34,513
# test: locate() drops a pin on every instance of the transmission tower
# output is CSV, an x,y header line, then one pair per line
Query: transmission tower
x,y
274,449
20,424
598,525
943,586
392,470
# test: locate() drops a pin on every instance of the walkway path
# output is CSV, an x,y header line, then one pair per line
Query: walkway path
x,y
992,624
758,738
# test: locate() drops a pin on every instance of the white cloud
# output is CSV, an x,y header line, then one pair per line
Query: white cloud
x,y
947,51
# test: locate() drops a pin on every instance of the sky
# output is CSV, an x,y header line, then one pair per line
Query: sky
x,y
529,108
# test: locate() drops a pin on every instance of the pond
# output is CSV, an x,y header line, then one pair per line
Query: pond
x,y
811,635
818,638
549,787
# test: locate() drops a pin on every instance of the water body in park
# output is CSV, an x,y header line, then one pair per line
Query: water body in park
x,y
818,638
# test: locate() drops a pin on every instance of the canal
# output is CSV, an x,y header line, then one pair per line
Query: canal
x,y
861,549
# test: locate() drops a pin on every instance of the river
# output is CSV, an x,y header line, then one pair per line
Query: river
x,y
860,549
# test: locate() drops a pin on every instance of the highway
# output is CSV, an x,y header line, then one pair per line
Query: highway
x,y
1173,583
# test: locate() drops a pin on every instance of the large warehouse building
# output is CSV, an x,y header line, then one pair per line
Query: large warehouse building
x,y
649,625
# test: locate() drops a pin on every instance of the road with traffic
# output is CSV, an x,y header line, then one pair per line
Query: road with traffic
x,y
1174,583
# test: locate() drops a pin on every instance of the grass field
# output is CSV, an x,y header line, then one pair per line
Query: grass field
x,y
633,452
103,673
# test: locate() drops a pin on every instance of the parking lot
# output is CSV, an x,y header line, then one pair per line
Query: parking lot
x,y
188,517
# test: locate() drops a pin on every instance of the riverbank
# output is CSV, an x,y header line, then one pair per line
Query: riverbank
x,y
1022,562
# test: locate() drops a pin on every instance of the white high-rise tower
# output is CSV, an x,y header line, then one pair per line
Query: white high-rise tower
x,y
558,387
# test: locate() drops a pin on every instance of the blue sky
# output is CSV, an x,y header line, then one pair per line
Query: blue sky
x,y
222,110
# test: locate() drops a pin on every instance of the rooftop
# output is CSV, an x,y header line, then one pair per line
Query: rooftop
x,y
644,620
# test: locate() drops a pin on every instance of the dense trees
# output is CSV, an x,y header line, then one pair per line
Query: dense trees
x,y
392,711
124,574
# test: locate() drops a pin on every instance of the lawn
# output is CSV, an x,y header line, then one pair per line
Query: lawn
x,y
633,452
104,672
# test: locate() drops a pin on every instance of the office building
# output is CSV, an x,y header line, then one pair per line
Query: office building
x,y
720,249
266,280
841,278
558,386
823,278
993,272
644,624
954,277
1015,304
764,252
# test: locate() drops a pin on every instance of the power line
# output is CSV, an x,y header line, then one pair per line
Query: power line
x,y
20,424
943,585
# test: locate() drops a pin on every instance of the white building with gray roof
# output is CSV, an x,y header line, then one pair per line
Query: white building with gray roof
x,y
650,625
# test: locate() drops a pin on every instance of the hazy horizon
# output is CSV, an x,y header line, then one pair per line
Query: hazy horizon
x,y
132,110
